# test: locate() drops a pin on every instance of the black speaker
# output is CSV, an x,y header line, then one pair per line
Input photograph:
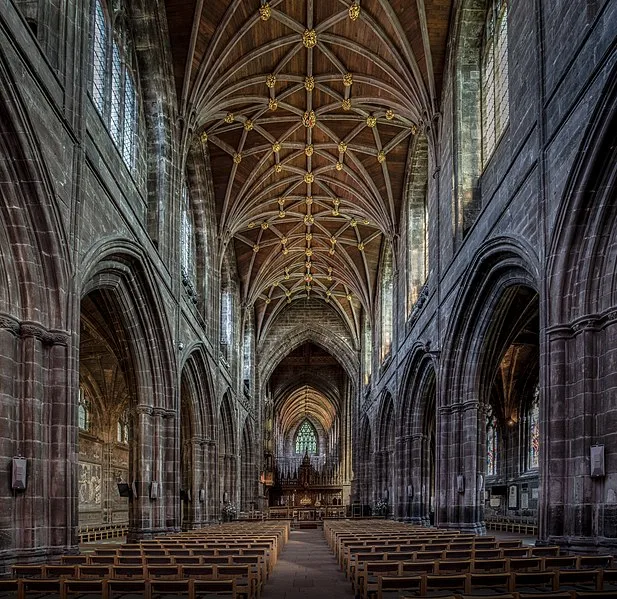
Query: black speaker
x,y
124,489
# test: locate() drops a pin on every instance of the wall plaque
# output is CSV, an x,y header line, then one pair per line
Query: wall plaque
x,y
513,497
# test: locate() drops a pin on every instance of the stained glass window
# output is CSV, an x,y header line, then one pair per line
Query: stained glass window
x,y
306,439
491,446
533,435
494,68
114,89
99,57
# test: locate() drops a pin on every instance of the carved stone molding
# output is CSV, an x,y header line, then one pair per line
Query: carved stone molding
x,y
33,329
9,324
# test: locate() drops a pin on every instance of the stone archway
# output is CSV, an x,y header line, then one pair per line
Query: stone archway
x,y
416,442
578,508
197,446
227,455
470,357
385,454
120,309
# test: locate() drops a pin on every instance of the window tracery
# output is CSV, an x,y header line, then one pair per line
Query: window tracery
x,y
306,439
494,85
113,87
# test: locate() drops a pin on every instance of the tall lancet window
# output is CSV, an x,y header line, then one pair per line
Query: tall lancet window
x,y
387,297
417,223
367,350
113,86
306,439
187,240
494,69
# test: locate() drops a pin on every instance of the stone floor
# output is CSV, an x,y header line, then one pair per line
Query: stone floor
x,y
307,569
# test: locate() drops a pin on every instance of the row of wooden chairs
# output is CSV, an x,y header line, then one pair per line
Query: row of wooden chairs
x,y
248,577
392,587
109,588
445,564
389,562
493,550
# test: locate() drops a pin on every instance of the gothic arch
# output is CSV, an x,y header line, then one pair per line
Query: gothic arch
x,y
35,256
248,468
118,270
503,273
227,453
500,264
583,248
301,334
416,450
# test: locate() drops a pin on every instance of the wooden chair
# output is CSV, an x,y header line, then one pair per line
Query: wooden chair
x,y
40,587
489,565
158,560
487,554
29,571
9,587
85,572
493,582
515,551
391,587
548,551
246,583
368,579
439,584
101,560
74,560
211,589
457,554
84,589
579,580
533,582
594,562
127,572
162,571
453,566
561,562
413,568
525,564
201,572
117,588
60,571
168,589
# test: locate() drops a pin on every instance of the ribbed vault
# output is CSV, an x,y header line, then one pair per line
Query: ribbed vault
x,y
308,110
306,402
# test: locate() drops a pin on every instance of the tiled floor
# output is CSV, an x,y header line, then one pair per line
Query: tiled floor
x,y
306,569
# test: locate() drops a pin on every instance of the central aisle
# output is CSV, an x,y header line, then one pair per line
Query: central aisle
x,y
306,569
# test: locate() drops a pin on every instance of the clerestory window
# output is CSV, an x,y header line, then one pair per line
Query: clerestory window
x,y
494,69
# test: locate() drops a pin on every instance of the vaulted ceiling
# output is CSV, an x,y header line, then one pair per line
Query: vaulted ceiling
x,y
309,111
